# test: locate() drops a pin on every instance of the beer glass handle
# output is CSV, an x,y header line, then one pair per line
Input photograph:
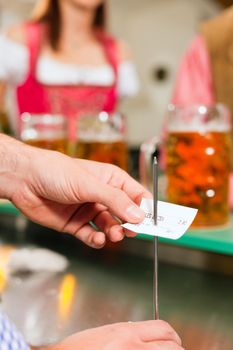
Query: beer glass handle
x,y
145,160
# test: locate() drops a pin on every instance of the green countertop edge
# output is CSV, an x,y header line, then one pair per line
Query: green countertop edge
x,y
215,240
8,208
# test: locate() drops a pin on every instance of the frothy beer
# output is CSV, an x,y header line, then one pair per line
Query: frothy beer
x,y
108,149
198,167
59,145
45,131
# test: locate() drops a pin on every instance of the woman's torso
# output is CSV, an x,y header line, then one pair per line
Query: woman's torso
x,y
47,84
72,101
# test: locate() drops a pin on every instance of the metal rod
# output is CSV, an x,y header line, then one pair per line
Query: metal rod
x,y
155,283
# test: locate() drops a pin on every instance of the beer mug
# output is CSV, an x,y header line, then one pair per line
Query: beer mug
x,y
44,130
196,154
102,138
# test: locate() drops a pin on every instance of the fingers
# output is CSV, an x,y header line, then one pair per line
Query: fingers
x,y
88,235
119,336
129,233
107,225
119,192
135,190
156,330
78,225
122,180
118,203
83,214
110,226
116,177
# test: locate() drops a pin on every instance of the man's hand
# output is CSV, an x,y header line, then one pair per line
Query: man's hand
x,y
66,194
147,335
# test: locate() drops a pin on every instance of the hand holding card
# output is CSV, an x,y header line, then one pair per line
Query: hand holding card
x,y
172,221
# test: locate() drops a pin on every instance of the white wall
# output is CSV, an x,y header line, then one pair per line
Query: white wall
x,y
13,11
158,32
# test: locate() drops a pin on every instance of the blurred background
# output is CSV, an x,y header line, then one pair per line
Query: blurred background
x,y
50,284
158,33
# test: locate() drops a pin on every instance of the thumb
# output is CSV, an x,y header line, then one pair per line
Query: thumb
x,y
118,203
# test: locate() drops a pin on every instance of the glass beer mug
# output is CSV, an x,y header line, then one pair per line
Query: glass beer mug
x,y
102,138
47,131
196,154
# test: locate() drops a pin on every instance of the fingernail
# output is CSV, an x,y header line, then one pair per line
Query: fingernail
x,y
135,212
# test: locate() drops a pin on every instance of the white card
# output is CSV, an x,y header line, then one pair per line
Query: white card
x,y
172,220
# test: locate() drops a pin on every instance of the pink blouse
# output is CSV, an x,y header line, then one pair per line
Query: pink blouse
x,y
194,79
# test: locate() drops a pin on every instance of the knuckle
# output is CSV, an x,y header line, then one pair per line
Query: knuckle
x,y
114,167
169,332
165,325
